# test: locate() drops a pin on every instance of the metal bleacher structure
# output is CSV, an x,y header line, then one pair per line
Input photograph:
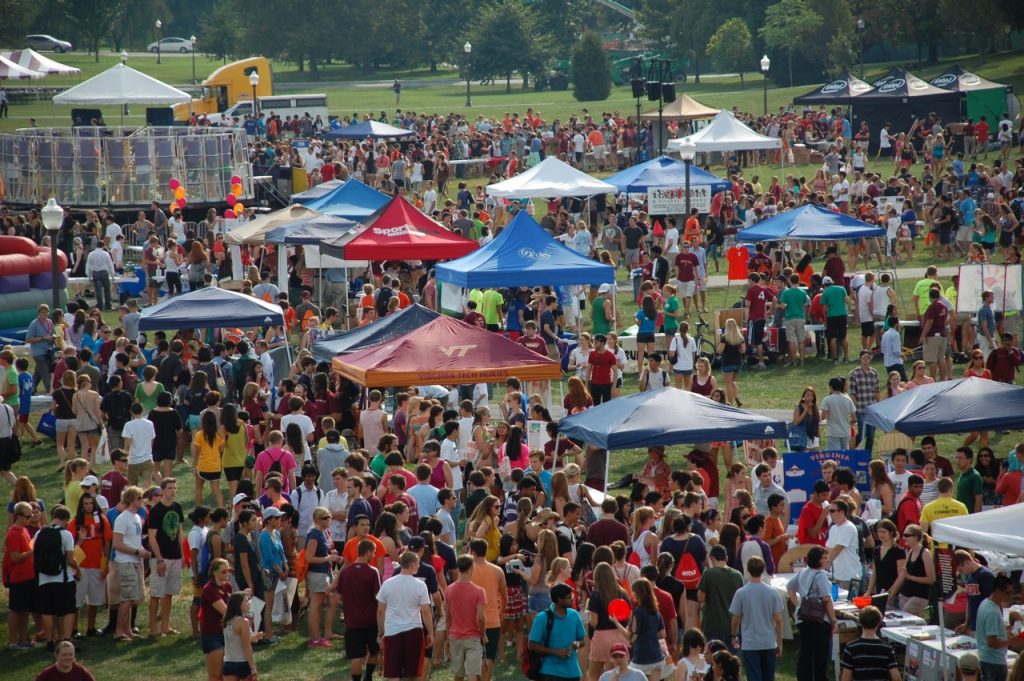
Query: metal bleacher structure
x,y
122,167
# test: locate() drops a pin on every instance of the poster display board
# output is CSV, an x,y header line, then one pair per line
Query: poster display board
x,y
1003,280
803,469
672,200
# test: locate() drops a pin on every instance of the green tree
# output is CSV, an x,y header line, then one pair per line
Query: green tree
x,y
682,35
219,30
506,40
841,54
94,20
731,48
591,74
17,15
788,25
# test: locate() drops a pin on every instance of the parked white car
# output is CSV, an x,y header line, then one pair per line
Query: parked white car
x,y
183,45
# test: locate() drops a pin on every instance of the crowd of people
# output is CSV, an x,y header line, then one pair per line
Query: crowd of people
x,y
421,520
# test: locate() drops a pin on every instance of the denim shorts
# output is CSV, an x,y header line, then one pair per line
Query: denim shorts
x,y
208,643
538,602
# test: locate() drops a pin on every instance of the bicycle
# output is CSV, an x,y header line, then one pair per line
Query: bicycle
x,y
705,348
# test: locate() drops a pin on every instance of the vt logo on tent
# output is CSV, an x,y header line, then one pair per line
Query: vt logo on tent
x,y
533,254
456,350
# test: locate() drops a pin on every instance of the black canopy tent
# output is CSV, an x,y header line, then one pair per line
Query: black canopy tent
x,y
978,96
900,98
842,91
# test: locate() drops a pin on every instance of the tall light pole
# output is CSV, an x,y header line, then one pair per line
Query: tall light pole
x,y
860,44
254,80
687,152
766,64
124,107
662,89
193,39
159,35
468,49
53,216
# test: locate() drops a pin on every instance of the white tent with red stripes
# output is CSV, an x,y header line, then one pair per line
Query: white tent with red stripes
x,y
33,61
11,71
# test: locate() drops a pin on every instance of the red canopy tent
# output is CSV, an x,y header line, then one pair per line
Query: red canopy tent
x,y
448,351
399,231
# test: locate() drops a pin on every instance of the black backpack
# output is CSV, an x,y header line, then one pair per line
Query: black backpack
x,y
381,303
48,554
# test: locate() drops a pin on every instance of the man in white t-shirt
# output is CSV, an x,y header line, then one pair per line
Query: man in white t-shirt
x,y
304,423
899,475
128,557
405,620
842,545
55,594
579,145
138,435
429,197
671,239
111,231
865,314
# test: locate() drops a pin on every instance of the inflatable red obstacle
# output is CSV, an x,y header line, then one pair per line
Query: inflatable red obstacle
x,y
26,282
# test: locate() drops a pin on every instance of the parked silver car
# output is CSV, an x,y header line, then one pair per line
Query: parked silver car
x,y
42,42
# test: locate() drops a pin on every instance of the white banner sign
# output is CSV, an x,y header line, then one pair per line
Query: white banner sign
x,y
672,200
1003,280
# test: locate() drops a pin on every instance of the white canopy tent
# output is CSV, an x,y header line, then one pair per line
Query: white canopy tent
x,y
12,71
33,61
254,232
549,179
1000,530
726,133
121,84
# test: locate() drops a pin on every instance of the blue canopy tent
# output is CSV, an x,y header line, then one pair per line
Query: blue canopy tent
x,y
310,231
368,129
523,255
668,416
664,171
210,308
380,331
353,200
809,223
317,192
962,406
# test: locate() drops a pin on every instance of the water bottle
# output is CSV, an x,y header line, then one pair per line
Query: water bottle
x,y
835,592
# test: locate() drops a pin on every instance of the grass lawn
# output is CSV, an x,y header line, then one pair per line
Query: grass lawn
x,y
346,97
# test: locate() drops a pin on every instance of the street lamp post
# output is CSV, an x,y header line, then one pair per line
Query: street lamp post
x,y
860,45
687,152
53,217
468,49
193,39
766,64
254,80
159,36
124,107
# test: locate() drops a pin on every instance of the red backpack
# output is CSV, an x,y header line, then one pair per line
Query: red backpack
x,y
687,570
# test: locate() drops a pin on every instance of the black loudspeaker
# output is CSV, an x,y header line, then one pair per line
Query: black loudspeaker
x,y
639,88
668,92
653,90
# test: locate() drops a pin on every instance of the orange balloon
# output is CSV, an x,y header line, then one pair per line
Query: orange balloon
x,y
239,208
236,189
179,193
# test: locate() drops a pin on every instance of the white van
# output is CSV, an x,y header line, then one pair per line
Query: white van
x,y
282,105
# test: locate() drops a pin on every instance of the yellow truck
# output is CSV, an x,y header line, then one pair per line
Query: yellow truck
x,y
229,85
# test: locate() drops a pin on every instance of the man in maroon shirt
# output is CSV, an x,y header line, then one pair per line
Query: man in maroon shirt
x,y
473,317
358,584
934,332
115,480
600,367
757,301
532,340
607,530
1004,360
686,274
931,453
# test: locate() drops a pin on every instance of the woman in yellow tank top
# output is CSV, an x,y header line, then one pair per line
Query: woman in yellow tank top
x,y
207,449
236,446
484,525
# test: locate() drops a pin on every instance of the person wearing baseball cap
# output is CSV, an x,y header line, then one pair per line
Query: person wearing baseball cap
x,y
602,313
621,669
834,301
557,633
969,666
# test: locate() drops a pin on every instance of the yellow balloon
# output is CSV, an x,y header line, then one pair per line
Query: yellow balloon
x,y
238,208
179,193
236,189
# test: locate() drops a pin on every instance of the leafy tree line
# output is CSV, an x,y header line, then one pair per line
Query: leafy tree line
x,y
809,40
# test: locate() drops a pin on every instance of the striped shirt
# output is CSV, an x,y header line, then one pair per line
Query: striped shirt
x,y
869,659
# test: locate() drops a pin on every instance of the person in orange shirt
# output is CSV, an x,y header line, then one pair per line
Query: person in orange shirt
x,y
369,315
403,300
93,534
366,300
775,534
691,230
